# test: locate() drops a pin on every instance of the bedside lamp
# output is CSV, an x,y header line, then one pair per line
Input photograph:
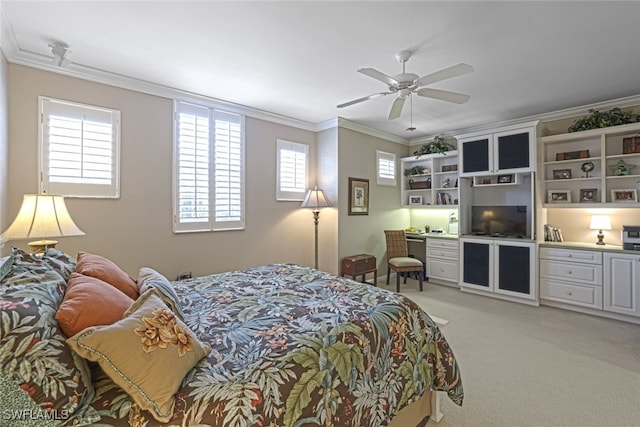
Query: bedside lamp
x,y
42,216
316,199
600,222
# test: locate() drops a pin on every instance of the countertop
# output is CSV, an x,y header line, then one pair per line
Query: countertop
x,y
430,235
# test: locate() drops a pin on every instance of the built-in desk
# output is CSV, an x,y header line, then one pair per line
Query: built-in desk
x,y
439,253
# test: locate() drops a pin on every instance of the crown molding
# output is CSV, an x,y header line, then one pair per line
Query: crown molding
x,y
351,125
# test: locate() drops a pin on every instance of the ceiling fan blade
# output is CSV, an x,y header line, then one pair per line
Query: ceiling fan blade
x,y
378,76
396,108
447,73
443,95
366,98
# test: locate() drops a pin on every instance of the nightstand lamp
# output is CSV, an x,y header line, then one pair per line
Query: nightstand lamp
x,y
600,222
42,217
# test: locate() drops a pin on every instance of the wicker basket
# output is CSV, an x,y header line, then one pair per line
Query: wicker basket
x,y
419,185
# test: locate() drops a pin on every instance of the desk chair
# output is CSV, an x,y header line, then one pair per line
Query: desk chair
x,y
398,257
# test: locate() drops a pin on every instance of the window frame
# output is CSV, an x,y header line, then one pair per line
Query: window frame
x,y
391,158
212,222
48,106
283,195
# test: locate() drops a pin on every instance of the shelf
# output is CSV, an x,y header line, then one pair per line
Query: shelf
x,y
438,180
605,148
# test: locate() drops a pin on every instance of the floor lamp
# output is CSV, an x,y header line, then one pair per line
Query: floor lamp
x,y
316,199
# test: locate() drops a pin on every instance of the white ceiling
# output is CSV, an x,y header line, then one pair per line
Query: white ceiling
x,y
299,59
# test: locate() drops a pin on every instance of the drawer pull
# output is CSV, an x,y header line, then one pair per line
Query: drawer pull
x,y
569,293
569,272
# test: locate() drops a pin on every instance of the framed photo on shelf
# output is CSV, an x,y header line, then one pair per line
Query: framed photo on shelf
x,y
415,200
504,179
449,168
588,195
561,173
624,196
358,196
559,196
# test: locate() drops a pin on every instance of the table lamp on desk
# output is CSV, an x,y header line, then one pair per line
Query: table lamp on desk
x,y
600,222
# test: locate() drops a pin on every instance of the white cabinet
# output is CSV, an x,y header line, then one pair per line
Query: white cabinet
x,y
502,268
621,283
571,276
430,180
442,260
501,151
593,168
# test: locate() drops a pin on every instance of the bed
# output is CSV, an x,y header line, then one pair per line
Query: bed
x,y
274,345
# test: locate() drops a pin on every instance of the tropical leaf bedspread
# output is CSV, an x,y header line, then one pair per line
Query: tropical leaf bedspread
x,y
292,346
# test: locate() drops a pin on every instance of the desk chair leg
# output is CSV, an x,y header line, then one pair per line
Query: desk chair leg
x,y
397,281
388,274
421,279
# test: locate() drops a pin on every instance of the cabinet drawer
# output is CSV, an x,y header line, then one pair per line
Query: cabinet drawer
x,y
587,296
443,270
442,253
574,272
589,257
443,244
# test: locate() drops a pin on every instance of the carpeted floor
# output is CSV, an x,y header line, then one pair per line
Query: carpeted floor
x,y
535,366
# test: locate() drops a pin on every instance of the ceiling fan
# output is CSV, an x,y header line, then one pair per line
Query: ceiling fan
x,y
405,84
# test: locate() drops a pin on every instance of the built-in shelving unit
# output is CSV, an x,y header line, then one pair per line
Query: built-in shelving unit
x,y
437,184
591,168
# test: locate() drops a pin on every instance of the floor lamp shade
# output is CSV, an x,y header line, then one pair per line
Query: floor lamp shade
x,y
316,199
42,216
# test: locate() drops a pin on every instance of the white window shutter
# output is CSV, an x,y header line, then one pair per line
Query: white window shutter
x,y
209,169
79,149
292,170
386,168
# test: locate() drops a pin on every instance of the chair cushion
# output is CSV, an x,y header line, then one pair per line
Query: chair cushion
x,y
401,262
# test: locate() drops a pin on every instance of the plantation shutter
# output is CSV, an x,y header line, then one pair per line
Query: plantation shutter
x,y
209,182
292,167
79,149
386,168
229,182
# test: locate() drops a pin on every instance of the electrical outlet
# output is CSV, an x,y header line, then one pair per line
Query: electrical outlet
x,y
183,275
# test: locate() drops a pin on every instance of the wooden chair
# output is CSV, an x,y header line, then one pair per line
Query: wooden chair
x,y
398,258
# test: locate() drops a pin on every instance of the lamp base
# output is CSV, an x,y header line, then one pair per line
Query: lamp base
x,y
40,246
600,236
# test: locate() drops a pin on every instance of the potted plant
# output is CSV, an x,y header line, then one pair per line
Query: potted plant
x,y
413,171
437,146
602,119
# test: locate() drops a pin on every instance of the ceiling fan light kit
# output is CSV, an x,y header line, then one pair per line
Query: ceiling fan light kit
x,y
406,84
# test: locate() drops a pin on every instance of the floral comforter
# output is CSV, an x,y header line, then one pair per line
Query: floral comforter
x,y
293,346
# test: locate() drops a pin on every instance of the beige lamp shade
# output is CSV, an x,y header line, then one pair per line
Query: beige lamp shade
x,y
42,217
316,199
600,222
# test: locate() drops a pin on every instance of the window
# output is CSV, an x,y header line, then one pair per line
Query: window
x,y
79,148
386,163
292,170
208,169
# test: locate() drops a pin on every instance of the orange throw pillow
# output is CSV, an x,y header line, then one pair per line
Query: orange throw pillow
x,y
90,302
106,270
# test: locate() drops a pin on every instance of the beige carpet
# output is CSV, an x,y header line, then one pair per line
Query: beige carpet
x,y
535,366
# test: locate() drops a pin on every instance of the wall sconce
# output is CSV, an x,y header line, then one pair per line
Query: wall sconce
x,y
42,216
600,222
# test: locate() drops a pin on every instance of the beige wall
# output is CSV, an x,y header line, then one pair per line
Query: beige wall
x,y
136,230
4,146
365,233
